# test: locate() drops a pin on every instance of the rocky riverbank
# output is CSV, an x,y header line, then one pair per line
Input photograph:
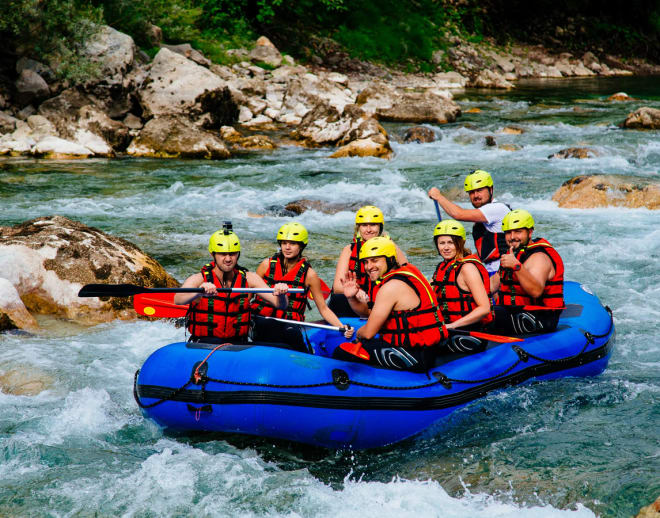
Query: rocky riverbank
x,y
181,105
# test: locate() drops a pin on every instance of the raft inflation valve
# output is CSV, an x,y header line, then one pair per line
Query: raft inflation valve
x,y
340,379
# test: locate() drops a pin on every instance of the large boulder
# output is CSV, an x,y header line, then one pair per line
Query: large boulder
x,y
174,85
303,93
173,136
49,259
390,104
584,192
643,118
113,51
325,126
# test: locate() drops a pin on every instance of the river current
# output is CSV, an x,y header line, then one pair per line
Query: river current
x,y
570,447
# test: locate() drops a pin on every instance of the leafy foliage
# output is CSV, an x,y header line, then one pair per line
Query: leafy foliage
x,y
52,31
404,32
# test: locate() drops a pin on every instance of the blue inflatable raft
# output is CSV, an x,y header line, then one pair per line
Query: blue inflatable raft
x,y
311,398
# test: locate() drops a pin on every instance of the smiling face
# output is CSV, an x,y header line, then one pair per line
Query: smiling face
x,y
518,238
290,249
375,267
226,262
480,197
446,247
369,230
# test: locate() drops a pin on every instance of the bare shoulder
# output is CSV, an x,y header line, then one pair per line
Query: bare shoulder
x,y
194,281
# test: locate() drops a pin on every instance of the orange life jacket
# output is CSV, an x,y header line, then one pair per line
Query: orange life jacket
x,y
294,278
354,264
454,301
512,293
422,326
225,315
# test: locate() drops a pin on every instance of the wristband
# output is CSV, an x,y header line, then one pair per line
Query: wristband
x,y
517,267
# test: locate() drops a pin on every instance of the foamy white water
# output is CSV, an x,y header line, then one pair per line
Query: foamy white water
x,y
572,447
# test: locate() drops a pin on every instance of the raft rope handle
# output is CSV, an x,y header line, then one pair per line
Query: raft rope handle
x,y
196,375
443,378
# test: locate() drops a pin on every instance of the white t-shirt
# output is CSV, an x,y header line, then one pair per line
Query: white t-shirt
x,y
494,212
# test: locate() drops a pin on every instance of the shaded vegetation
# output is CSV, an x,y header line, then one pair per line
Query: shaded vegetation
x,y
393,32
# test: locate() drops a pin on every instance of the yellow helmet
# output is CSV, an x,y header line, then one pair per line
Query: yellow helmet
x,y
449,227
516,219
378,246
293,232
224,242
369,214
478,179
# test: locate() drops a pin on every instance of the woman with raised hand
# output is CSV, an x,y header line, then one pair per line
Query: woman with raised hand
x,y
460,281
289,266
369,222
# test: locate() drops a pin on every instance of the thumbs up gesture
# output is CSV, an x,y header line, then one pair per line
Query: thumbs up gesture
x,y
509,260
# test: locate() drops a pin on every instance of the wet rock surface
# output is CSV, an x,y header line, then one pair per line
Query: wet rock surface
x,y
47,260
584,192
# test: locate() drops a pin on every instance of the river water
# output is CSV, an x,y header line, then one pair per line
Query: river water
x,y
572,447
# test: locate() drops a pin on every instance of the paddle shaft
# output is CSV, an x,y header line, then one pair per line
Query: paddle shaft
x,y
305,324
127,290
437,210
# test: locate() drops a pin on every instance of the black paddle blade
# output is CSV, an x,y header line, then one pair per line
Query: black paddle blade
x,y
110,290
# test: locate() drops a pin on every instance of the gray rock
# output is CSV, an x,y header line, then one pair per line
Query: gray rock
x,y
7,123
49,259
174,84
393,105
133,122
30,87
173,136
30,64
113,51
575,152
266,54
186,50
419,134
643,118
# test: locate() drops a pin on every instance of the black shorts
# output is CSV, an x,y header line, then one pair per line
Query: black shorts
x,y
382,354
279,334
517,321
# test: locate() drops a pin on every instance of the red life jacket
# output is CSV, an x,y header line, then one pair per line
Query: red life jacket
x,y
454,301
512,293
354,264
294,278
225,315
422,326
489,244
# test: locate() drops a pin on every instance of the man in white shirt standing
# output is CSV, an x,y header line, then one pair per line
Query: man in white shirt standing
x,y
487,216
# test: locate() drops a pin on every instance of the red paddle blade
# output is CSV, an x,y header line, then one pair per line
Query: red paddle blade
x,y
159,305
495,338
324,289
